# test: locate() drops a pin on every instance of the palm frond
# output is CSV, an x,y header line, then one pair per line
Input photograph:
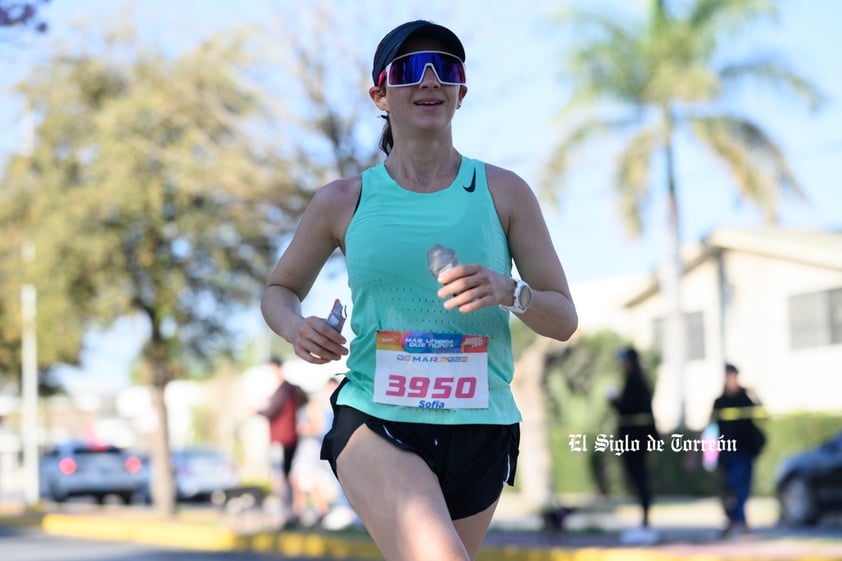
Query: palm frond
x,y
673,83
756,163
723,18
667,69
608,61
775,73
558,166
634,165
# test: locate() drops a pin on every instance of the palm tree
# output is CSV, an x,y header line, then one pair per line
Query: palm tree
x,y
666,79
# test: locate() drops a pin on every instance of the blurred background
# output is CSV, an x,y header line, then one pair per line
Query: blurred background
x,y
155,157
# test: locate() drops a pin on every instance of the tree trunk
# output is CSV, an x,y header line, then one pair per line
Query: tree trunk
x,y
163,489
534,464
674,336
162,483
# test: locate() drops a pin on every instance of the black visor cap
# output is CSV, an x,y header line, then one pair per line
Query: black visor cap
x,y
391,44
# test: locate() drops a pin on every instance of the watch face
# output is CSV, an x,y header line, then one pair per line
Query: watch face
x,y
524,296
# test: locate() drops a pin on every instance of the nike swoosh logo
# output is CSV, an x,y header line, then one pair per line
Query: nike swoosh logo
x,y
470,188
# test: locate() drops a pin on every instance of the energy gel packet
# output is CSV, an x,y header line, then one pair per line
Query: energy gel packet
x,y
336,318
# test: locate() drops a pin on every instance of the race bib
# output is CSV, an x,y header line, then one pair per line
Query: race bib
x,y
431,370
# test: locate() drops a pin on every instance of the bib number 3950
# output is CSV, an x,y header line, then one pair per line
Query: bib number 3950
x,y
434,371
439,388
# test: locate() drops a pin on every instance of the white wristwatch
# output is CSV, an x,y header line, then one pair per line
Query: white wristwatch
x,y
522,298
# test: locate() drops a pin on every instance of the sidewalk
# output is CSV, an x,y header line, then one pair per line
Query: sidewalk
x,y
687,529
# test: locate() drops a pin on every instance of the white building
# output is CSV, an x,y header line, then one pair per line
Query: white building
x,y
768,300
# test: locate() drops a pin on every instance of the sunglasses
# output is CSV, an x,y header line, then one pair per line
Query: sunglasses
x,y
408,70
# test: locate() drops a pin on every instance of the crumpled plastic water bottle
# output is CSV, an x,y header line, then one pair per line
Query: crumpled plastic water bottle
x,y
441,259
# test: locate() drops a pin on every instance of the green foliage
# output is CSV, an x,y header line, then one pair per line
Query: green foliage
x,y
162,186
577,472
143,195
577,380
522,337
788,435
683,473
672,75
203,423
157,187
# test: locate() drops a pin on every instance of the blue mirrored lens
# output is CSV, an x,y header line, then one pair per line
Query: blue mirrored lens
x,y
409,70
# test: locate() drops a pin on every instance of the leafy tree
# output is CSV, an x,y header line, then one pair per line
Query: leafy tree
x,y
667,80
143,196
157,187
22,14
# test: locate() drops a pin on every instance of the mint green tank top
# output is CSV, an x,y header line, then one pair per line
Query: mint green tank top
x,y
386,247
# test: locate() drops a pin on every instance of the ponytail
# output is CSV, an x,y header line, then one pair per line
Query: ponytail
x,y
386,140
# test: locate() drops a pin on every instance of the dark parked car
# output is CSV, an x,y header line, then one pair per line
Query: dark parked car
x,y
79,468
809,484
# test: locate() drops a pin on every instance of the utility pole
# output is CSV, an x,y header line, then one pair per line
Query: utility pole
x,y
29,349
29,386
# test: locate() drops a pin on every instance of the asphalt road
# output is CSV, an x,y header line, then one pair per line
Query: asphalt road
x,y
30,544
687,529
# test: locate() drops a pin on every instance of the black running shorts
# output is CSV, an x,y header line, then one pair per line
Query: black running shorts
x,y
472,462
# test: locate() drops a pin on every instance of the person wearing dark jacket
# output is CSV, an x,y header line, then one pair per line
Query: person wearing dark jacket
x,y
636,421
733,411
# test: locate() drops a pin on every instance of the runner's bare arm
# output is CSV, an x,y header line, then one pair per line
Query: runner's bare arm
x,y
319,233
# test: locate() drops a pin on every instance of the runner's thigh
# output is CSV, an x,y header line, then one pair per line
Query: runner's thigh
x,y
399,500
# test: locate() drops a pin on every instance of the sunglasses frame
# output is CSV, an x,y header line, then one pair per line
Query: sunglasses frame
x,y
384,76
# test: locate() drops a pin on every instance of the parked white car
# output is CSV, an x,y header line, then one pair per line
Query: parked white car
x,y
198,473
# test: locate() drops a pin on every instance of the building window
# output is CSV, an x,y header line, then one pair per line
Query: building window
x,y
815,319
694,332
694,323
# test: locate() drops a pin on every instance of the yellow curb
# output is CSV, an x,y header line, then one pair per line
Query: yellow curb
x,y
295,544
626,554
206,538
173,534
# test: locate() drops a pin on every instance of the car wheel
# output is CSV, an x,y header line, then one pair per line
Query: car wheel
x,y
797,501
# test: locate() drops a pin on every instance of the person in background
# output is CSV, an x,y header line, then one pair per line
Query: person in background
x,y
423,448
312,484
636,421
281,412
734,412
